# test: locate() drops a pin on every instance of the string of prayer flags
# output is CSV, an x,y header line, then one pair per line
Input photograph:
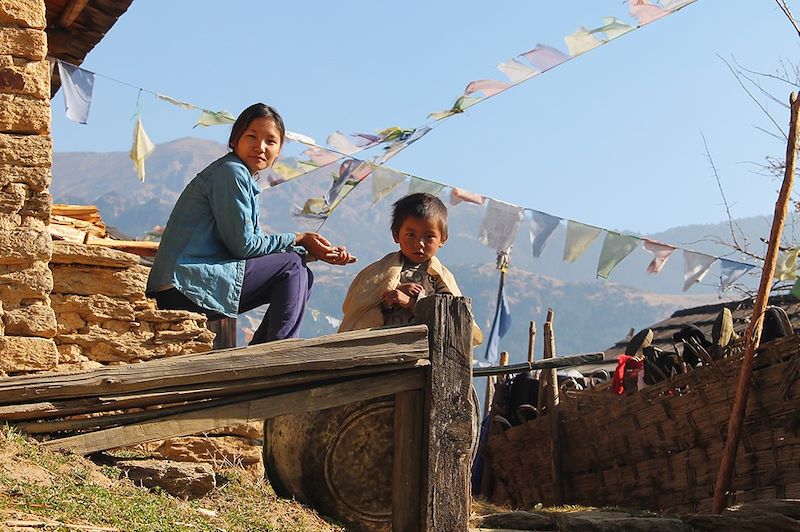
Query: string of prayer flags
x,y
579,238
786,267
417,185
540,228
458,195
142,147
499,226
616,247
661,252
77,85
731,271
384,180
214,118
695,267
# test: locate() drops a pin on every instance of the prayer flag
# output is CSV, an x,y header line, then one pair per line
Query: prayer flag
x,y
423,185
457,195
321,156
612,27
178,103
615,248
541,227
77,85
645,12
516,71
500,325
402,143
661,252
339,142
214,118
384,181
142,148
581,41
786,267
299,137
489,87
731,271
695,267
500,225
545,57
462,104
579,238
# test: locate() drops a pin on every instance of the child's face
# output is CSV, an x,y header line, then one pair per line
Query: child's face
x,y
419,238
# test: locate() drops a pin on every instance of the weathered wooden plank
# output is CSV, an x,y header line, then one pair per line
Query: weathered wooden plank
x,y
549,363
407,463
333,352
358,389
448,430
186,393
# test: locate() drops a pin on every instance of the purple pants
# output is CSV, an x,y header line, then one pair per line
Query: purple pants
x,y
281,279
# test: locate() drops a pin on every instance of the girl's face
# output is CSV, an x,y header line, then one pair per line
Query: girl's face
x,y
259,145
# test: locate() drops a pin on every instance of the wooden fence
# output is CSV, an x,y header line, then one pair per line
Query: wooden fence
x,y
426,367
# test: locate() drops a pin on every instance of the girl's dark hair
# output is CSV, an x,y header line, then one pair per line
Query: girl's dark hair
x,y
419,205
257,110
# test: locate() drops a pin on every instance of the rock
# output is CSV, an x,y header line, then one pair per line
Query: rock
x,y
31,320
788,507
176,478
20,76
18,284
223,450
73,253
26,150
515,520
37,179
22,114
80,280
95,307
23,245
24,13
21,354
250,431
623,523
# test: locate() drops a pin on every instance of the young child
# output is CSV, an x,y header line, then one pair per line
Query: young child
x,y
386,292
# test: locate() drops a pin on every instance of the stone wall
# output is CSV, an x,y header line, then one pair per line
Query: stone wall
x,y
27,321
104,317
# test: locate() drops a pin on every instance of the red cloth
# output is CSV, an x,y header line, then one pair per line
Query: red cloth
x,y
626,365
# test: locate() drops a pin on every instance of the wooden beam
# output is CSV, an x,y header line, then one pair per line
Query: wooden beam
x,y
448,420
71,12
334,352
182,394
548,363
407,462
359,389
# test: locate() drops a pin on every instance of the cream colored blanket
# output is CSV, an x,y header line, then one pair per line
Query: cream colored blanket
x,y
362,305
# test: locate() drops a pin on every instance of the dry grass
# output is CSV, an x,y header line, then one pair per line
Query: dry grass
x,y
56,492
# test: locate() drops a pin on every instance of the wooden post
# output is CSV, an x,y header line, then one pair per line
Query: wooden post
x,y
225,330
531,340
487,477
489,396
407,463
447,432
552,408
753,333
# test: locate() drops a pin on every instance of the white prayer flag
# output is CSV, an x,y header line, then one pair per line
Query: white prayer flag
x,y
516,71
77,85
215,118
545,57
661,252
786,267
612,28
141,149
500,225
423,185
579,238
384,181
339,142
695,267
581,41
615,248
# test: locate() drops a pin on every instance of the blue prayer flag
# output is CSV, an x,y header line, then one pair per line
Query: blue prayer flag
x,y
500,325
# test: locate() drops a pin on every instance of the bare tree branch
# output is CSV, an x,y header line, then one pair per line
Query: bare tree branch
x,y
785,8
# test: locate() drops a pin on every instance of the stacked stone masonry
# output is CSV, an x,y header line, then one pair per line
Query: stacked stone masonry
x,y
103,316
28,321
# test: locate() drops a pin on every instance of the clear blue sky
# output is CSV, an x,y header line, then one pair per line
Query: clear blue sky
x,y
612,138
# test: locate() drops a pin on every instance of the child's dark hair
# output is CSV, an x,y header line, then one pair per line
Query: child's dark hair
x,y
419,205
257,110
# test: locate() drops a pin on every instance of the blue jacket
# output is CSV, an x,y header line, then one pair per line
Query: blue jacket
x,y
212,229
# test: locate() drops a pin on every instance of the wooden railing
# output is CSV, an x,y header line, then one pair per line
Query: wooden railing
x,y
426,367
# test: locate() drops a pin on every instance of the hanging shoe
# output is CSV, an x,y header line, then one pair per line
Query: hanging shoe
x,y
639,341
721,333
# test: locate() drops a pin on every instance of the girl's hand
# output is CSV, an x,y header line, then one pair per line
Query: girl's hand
x,y
398,297
320,248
